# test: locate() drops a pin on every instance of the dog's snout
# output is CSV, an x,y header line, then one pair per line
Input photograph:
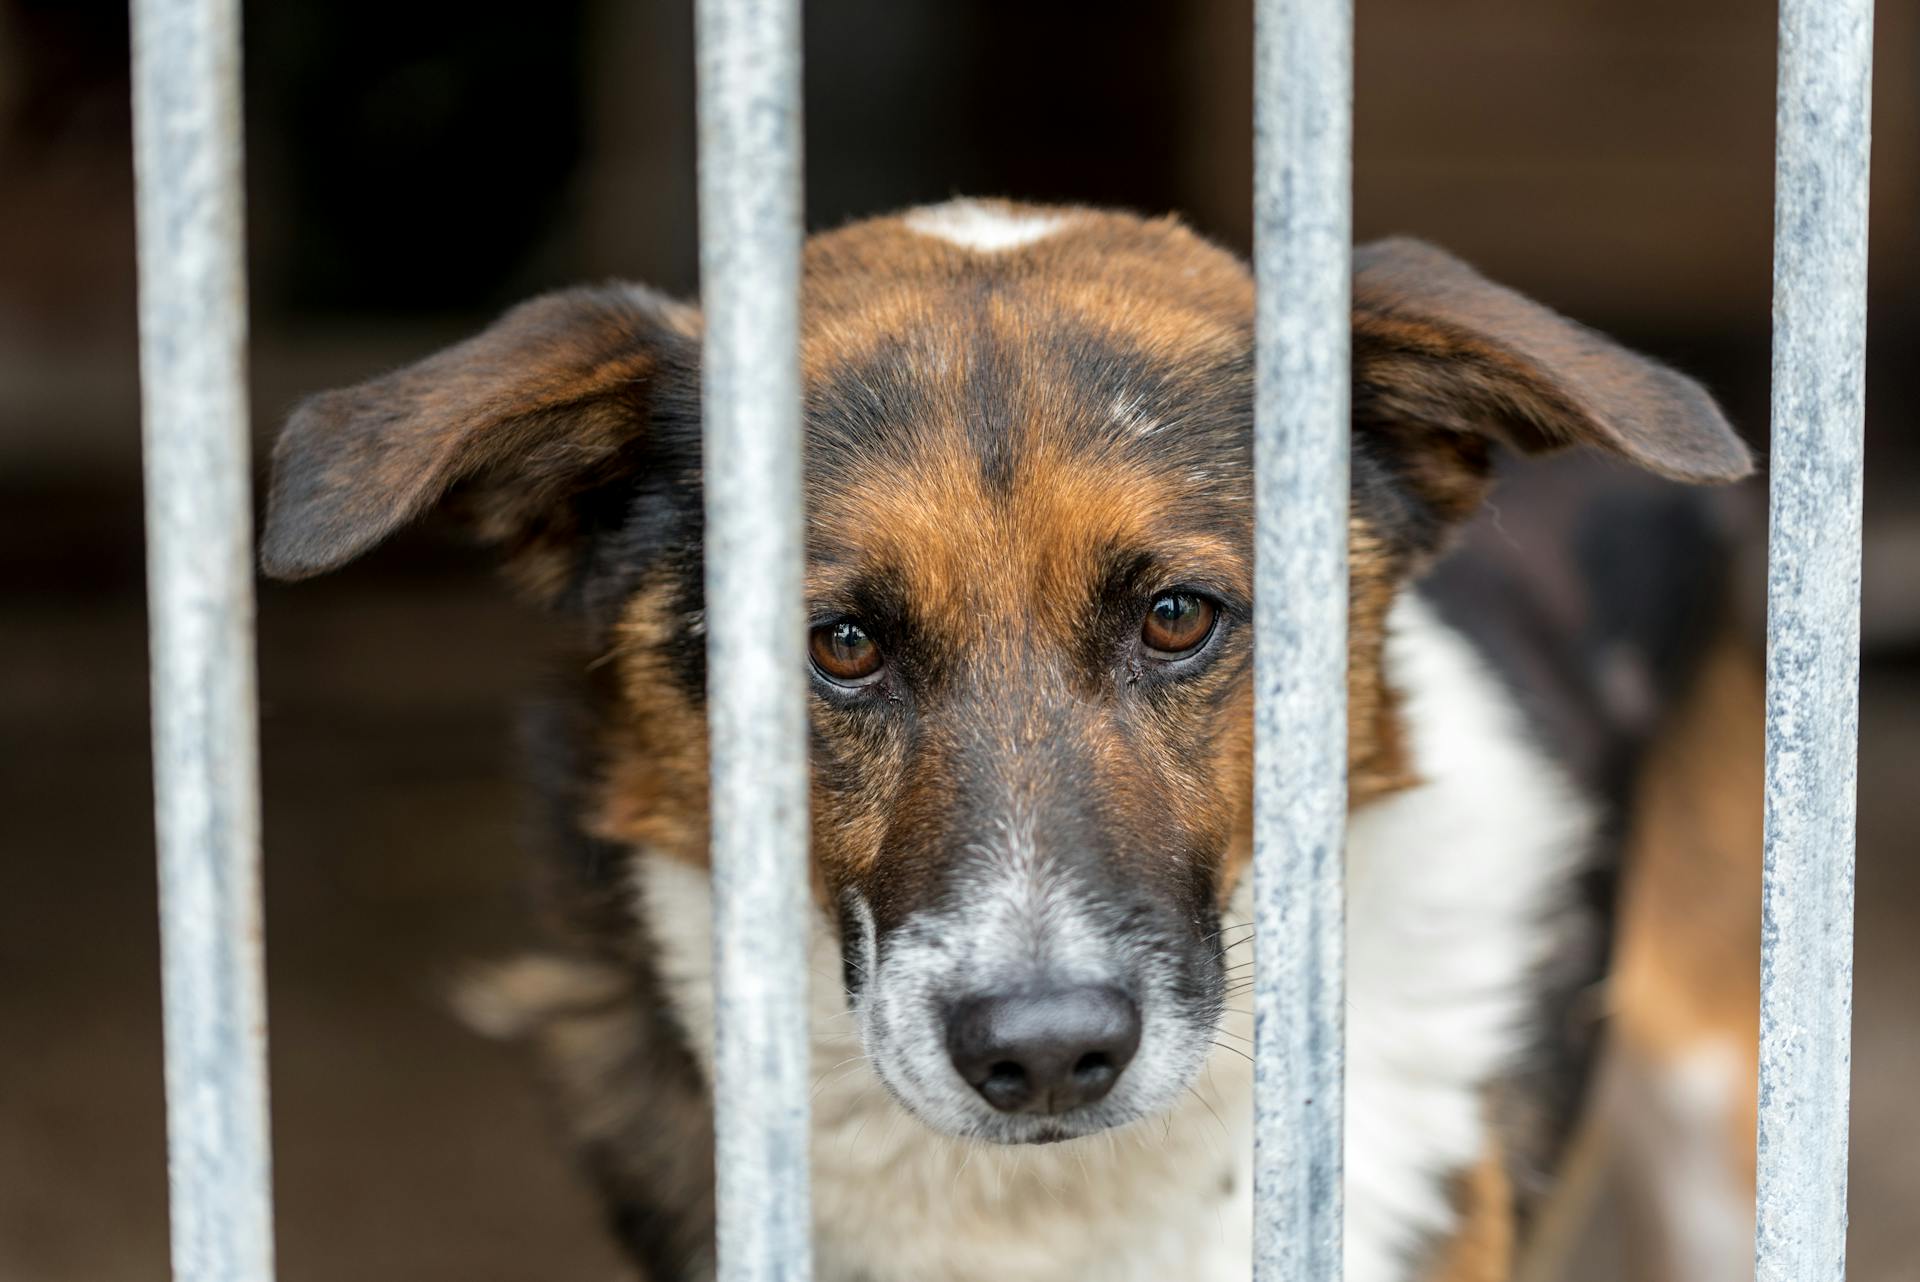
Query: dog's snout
x,y
1044,1051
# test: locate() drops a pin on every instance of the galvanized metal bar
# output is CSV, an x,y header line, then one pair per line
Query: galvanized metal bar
x,y
750,235
1303,132
1813,636
193,370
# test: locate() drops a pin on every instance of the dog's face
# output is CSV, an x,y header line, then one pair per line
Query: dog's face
x,y
1030,591
1030,580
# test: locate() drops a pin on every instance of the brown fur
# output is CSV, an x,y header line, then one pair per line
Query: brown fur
x,y
1439,345
1690,920
653,794
1482,1250
528,414
1687,978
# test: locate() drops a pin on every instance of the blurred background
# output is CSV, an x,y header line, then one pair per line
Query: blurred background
x,y
415,167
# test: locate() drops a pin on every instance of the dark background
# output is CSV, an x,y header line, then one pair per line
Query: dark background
x,y
414,167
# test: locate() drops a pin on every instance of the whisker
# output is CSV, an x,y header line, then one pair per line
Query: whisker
x,y
971,1149
854,1142
838,1073
1236,1050
1218,1120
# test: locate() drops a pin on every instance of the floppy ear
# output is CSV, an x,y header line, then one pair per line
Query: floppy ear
x,y
1445,361
529,419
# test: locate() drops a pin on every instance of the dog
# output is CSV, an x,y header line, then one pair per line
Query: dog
x,y
1029,584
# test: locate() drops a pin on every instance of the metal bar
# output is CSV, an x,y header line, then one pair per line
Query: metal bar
x,y
1813,637
193,340
1303,131
750,235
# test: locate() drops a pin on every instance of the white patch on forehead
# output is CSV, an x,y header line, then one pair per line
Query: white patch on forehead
x,y
976,225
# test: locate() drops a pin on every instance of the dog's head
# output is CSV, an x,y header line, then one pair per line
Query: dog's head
x,y
1030,583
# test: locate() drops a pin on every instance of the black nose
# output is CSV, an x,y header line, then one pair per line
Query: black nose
x,y
1044,1051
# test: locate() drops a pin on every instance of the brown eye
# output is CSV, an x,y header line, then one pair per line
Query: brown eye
x,y
1177,623
844,652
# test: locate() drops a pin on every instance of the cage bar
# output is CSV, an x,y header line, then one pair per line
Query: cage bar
x,y
750,233
1813,636
199,513
1303,130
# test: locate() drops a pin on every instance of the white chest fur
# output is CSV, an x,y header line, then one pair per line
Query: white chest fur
x,y
1448,884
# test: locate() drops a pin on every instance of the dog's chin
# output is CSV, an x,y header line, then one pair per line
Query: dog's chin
x,y
1015,1131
